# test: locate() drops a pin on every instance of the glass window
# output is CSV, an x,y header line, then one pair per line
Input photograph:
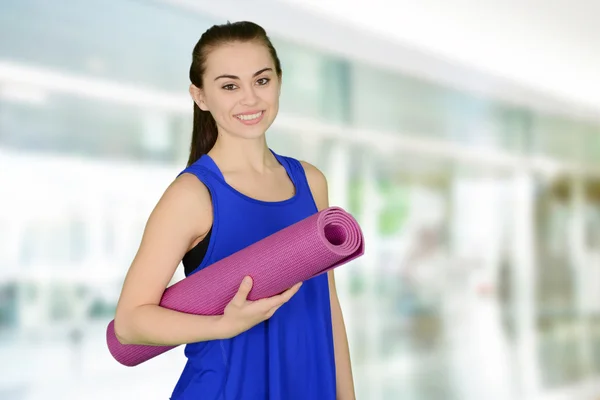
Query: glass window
x,y
110,40
314,84
69,125
129,41
398,103
556,137
590,138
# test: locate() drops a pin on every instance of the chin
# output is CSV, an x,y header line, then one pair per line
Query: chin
x,y
249,135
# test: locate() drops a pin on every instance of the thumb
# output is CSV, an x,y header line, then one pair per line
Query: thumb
x,y
242,294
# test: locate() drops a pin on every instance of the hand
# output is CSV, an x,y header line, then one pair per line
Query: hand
x,y
242,314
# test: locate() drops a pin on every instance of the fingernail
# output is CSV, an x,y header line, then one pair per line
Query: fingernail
x,y
247,280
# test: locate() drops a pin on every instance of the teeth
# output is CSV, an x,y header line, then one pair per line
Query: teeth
x,y
249,117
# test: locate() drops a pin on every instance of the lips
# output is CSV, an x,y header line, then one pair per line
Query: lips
x,y
249,116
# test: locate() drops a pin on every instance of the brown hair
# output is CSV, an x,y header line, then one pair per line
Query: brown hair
x,y
204,133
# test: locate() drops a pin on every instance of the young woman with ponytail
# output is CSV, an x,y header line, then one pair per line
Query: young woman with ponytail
x,y
235,191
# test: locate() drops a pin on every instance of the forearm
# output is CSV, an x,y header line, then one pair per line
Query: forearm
x,y
344,378
158,326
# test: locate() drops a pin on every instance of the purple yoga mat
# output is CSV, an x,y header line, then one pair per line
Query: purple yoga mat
x,y
311,247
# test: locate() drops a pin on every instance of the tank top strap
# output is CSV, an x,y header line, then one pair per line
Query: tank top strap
x,y
296,173
205,170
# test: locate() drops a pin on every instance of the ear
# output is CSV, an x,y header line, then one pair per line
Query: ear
x,y
198,97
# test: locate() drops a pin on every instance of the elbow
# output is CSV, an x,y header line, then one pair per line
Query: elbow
x,y
122,330
123,339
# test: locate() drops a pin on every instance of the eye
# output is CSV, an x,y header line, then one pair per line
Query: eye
x,y
263,81
231,86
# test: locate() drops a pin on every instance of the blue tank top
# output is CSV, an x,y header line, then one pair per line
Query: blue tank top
x,y
287,357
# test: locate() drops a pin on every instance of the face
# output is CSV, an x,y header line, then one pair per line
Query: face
x,y
241,89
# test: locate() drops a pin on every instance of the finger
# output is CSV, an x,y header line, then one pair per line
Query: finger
x,y
242,294
288,294
280,299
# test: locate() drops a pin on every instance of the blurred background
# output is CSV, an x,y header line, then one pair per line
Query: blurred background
x,y
464,136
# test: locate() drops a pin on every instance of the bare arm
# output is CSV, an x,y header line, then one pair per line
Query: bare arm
x,y
344,378
182,216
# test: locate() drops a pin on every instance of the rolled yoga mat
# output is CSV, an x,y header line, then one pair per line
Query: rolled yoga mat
x,y
310,247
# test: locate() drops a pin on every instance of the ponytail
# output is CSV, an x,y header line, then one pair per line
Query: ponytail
x,y
204,134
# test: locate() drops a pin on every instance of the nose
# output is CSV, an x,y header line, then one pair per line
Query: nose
x,y
249,97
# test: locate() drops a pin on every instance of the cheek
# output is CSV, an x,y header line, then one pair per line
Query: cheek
x,y
222,105
272,96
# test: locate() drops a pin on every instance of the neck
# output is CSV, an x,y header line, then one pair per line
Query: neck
x,y
235,154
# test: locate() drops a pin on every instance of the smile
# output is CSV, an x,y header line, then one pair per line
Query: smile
x,y
249,119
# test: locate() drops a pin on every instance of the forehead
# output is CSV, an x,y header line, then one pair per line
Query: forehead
x,y
240,59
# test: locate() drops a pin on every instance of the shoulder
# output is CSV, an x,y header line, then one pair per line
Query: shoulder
x,y
185,202
317,183
187,188
314,175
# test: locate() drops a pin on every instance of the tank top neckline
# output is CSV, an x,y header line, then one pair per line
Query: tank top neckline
x,y
216,171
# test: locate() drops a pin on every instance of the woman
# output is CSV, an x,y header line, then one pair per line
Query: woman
x,y
236,191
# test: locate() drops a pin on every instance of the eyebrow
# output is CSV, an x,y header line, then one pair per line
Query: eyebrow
x,y
237,77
